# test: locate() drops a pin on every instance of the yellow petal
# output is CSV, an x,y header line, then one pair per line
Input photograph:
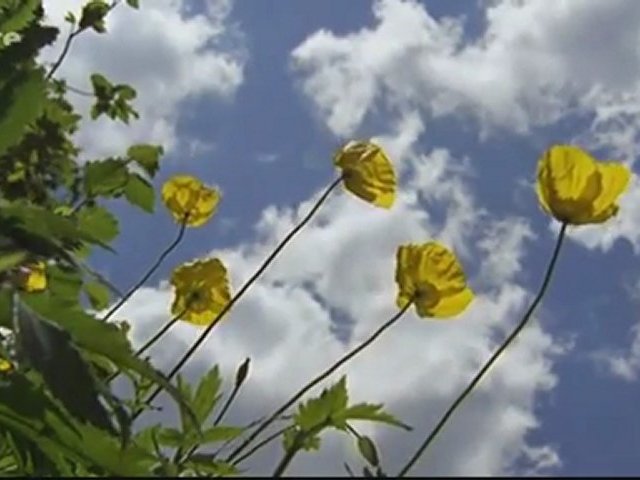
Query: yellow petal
x,y
35,277
575,188
614,179
431,276
201,291
5,366
439,267
188,198
451,305
368,173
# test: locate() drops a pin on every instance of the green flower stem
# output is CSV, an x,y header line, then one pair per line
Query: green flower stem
x,y
345,358
158,334
492,360
288,455
263,443
150,272
298,441
243,289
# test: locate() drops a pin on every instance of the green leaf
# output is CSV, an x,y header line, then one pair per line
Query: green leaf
x,y
64,284
171,437
41,231
98,294
18,18
101,86
133,3
374,413
104,339
11,259
147,157
139,192
295,438
207,394
99,222
22,100
93,14
368,450
319,410
51,352
106,178
207,463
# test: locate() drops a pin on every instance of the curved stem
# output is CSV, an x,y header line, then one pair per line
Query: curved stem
x,y
67,44
65,50
150,272
185,358
345,358
492,360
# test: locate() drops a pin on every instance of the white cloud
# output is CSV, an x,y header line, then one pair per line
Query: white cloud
x,y
535,62
165,54
340,269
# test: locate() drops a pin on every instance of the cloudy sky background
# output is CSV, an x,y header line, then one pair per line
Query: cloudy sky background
x,y
256,96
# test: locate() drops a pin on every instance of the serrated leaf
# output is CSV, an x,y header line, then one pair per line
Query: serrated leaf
x,y
98,221
374,413
22,100
51,352
147,157
368,450
140,193
105,178
104,339
318,410
98,294
207,394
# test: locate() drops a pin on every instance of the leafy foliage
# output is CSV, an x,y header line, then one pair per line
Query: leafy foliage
x,y
331,410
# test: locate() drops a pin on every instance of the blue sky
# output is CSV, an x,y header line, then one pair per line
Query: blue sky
x,y
487,86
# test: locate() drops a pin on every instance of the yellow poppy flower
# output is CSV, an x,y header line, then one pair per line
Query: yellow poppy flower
x,y
201,291
5,366
188,198
431,276
577,189
33,278
368,173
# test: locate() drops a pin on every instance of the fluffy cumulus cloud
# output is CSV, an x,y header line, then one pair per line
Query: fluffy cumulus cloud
x,y
333,286
528,67
166,51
